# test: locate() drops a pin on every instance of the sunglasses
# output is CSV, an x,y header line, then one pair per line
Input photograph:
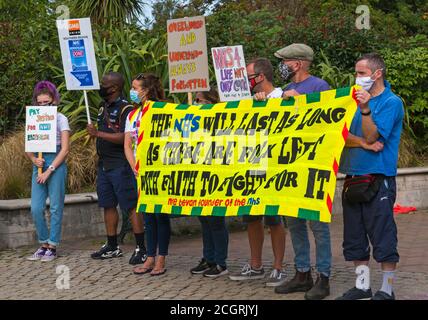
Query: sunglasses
x,y
252,76
142,76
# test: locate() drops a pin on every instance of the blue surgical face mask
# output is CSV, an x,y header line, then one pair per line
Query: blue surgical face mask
x,y
133,94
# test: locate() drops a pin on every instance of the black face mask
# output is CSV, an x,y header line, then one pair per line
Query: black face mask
x,y
285,71
104,92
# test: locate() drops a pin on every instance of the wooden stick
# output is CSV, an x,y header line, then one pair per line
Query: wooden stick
x,y
40,171
87,107
189,98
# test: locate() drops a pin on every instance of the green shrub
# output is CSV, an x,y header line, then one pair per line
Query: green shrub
x,y
407,71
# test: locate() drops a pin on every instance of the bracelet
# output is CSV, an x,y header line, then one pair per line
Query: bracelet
x,y
366,113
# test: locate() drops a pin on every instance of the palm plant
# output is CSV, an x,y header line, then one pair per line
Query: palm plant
x,y
109,12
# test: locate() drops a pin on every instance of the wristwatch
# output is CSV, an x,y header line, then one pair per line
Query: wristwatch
x,y
366,113
51,168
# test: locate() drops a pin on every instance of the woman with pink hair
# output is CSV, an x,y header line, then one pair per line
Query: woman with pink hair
x,y
52,181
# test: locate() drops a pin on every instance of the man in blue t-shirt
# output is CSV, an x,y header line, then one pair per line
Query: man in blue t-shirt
x,y
372,149
295,62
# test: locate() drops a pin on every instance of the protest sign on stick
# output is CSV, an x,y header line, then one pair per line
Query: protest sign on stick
x,y
40,130
78,56
231,73
187,56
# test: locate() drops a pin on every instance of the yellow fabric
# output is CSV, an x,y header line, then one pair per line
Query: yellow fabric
x,y
295,146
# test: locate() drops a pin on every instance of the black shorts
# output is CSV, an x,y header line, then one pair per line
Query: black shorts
x,y
117,186
371,221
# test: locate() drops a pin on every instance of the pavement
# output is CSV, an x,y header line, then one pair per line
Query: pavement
x,y
74,275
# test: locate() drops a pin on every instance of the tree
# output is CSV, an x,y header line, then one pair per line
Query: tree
x,y
109,12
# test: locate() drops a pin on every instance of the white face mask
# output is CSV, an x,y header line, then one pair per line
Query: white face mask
x,y
365,82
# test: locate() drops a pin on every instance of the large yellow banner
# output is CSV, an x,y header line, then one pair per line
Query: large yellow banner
x,y
274,157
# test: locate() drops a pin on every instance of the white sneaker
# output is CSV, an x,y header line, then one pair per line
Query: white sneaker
x,y
248,273
38,254
49,256
276,278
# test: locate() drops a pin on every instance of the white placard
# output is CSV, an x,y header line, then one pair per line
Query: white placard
x,y
78,54
40,129
231,73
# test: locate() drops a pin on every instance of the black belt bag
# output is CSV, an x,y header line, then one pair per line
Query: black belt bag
x,y
361,188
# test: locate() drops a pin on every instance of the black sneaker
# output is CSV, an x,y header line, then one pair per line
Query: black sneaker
x,y
356,294
201,267
139,256
107,252
381,295
216,271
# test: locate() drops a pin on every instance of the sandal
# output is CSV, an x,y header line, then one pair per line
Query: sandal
x,y
158,272
145,270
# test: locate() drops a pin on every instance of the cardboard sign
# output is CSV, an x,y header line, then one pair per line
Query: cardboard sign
x,y
40,129
78,54
231,73
187,55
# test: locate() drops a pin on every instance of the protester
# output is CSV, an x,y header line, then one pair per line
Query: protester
x,y
52,181
295,66
260,76
147,86
215,236
115,179
369,161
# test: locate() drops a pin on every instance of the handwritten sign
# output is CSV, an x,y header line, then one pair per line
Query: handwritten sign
x,y
187,55
273,157
78,54
231,73
40,129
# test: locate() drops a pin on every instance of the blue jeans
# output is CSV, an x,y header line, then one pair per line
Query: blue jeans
x,y
300,240
54,188
158,233
215,239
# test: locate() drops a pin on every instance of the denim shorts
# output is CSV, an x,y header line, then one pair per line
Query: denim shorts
x,y
117,186
269,220
371,221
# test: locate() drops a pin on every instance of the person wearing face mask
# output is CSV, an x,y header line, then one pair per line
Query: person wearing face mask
x,y
260,75
147,86
52,181
371,152
294,67
295,63
115,178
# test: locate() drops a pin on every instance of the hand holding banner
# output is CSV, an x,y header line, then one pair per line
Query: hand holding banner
x,y
274,157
